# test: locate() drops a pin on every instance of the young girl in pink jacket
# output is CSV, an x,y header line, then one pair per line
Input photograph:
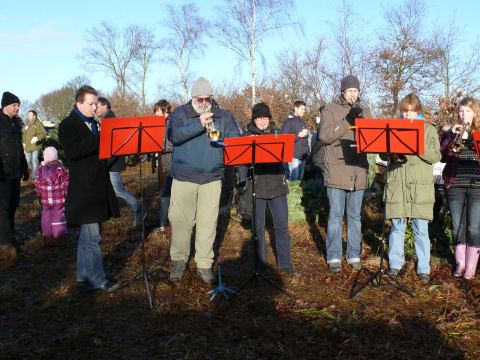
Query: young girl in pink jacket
x,y
51,180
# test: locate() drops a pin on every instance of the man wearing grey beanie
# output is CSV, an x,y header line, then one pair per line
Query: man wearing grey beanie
x,y
346,173
197,171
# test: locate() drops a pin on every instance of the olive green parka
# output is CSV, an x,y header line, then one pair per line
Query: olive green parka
x,y
31,130
409,192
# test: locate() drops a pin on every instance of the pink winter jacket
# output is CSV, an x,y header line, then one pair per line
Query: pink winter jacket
x,y
51,181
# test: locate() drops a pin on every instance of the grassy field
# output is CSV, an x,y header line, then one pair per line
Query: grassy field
x,y
45,315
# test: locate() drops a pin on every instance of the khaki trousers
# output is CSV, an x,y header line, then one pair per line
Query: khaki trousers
x,y
193,202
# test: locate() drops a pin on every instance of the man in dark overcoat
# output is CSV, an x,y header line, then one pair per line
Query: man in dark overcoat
x,y
91,198
13,167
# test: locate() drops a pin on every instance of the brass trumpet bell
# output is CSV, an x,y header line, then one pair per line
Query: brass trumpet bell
x,y
212,133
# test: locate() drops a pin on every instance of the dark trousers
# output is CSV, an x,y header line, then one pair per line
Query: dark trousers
x,y
279,209
9,200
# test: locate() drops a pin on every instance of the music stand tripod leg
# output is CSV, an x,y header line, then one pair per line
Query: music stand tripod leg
x,y
256,273
380,272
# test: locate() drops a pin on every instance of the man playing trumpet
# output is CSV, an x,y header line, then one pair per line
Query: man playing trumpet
x,y
197,171
346,173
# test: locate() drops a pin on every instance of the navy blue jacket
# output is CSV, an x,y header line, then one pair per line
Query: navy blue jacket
x,y
195,158
293,125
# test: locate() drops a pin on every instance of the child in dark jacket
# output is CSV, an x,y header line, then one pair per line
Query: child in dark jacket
x,y
51,180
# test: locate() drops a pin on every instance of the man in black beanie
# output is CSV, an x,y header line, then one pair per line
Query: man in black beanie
x,y
346,173
13,167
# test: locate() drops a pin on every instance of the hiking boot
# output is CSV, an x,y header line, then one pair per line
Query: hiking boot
x,y
424,276
356,265
290,270
392,272
177,271
335,267
207,276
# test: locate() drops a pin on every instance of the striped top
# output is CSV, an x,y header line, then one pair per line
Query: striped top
x,y
468,173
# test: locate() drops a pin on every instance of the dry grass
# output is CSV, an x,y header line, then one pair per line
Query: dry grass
x,y
44,314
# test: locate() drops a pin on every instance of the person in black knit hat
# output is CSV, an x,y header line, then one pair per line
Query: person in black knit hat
x,y
13,167
270,187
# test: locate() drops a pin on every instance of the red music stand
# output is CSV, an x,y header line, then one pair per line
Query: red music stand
x,y
476,141
251,150
388,136
133,136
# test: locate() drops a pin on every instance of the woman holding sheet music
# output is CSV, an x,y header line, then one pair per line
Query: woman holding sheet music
x,y
462,183
409,193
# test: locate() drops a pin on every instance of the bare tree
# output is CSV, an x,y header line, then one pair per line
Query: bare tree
x,y
57,104
146,47
184,40
457,64
291,68
112,51
242,24
302,74
349,50
403,56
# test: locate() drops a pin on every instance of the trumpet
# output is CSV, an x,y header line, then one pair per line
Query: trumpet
x,y
456,145
212,133
97,119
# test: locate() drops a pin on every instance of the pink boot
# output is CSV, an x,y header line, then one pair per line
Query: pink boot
x,y
471,260
459,251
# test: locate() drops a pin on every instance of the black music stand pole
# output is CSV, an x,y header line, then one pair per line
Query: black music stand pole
x,y
381,271
256,273
144,270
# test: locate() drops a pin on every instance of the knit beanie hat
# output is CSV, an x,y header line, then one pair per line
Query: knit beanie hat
x,y
201,86
349,82
50,154
260,110
8,99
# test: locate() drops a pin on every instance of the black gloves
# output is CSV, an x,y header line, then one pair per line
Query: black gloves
x,y
26,175
355,112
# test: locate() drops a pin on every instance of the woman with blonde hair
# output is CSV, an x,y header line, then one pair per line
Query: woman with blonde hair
x,y
462,183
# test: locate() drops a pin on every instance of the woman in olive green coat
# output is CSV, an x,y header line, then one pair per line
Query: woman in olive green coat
x,y
410,193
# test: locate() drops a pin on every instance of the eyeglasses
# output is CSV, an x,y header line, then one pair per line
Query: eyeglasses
x,y
263,118
355,91
206,100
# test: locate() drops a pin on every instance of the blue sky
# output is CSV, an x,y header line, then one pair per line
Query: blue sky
x,y
40,39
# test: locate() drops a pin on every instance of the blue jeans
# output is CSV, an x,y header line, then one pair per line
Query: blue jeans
x,y
396,244
165,199
89,256
337,199
33,161
464,204
319,176
296,168
279,209
123,194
